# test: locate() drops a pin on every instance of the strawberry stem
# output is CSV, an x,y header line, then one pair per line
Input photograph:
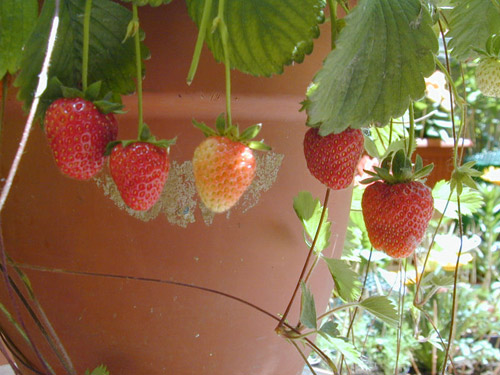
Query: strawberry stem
x,y
333,22
86,43
221,24
411,135
311,251
138,66
199,42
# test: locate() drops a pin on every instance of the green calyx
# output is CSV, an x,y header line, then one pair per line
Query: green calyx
x,y
233,133
492,47
145,137
397,168
105,102
463,176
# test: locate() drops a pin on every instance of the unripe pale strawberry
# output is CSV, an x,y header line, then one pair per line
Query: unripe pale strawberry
x,y
78,134
223,170
488,77
332,159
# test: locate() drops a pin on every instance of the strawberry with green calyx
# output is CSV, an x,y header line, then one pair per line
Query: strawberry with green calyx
x,y
332,159
397,206
488,69
140,168
224,164
78,128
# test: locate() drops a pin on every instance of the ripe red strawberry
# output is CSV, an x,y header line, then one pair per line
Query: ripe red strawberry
x,y
333,159
139,170
78,134
223,170
397,215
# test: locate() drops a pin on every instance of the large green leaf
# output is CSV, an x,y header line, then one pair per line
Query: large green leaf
x,y
17,18
264,35
383,54
111,60
471,22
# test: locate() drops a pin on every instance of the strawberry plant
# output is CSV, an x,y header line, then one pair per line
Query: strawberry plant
x,y
361,100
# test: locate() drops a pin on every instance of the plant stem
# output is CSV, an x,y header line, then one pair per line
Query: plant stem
x,y
455,284
42,84
333,23
338,308
86,44
138,67
311,250
3,104
221,24
199,42
304,358
411,132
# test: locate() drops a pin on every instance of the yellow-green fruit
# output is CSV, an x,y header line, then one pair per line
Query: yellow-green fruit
x,y
488,77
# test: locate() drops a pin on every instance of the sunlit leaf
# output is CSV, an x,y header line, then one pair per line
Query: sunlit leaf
x,y
264,35
470,200
470,24
346,280
383,54
381,307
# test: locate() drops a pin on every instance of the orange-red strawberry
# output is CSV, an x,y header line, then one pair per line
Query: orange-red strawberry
x,y
332,159
224,164
78,134
223,170
139,170
397,215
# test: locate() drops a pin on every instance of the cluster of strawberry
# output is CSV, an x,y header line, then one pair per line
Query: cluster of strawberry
x,y
396,205
81,138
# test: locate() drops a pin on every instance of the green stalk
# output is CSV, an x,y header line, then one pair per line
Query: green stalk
x,y
333,22
227,63
86,43
411,135
138,67
199,42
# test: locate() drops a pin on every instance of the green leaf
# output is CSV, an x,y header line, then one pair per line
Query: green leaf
x,y
220,123
381,59
346,280
309,211
99,370
471,23
307,308
250,132
351,354
264,35
330,328
111,61
153,3
470,200
17,18
381,307
207,130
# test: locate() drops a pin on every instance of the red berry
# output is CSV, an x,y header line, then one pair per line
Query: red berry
x,y
140,171
333,159
223,170
397,215
78,134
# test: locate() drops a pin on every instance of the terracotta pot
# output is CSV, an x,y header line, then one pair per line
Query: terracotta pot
x,y
440,153
140,327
